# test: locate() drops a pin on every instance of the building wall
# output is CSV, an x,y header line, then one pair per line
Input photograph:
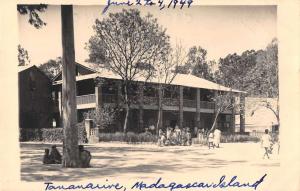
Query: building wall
x,y
35,102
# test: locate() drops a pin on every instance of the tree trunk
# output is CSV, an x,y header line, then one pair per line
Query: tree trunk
x,y
126,108
215,121
160,97
69,113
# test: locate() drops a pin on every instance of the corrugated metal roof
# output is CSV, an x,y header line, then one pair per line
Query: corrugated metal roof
x,y
187,80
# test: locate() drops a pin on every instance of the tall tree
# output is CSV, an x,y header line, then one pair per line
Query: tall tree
x,y
70,143
197,64
69,116
52,67
129,44
23,56
264,79
165,72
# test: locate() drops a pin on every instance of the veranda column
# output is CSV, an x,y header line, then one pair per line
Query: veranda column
x,y
232,124
242,113
198,118
215,109
59,103
98,96
180,106
141,104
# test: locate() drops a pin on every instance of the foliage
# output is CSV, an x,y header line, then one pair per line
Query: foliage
x,y
32,11
197,64
255,72
233,138
49,134
23,57
52,67
129,45
104,116
128,137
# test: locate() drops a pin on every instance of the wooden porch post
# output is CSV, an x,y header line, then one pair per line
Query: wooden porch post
x,y
232,124
242,113
98,96
69,115
198,118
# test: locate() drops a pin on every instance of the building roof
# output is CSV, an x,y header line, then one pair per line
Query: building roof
x,y
187,80
22,68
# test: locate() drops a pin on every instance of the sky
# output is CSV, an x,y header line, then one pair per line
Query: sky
x,y
221,30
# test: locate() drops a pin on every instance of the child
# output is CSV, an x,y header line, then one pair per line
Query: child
x,y
211,140
266,143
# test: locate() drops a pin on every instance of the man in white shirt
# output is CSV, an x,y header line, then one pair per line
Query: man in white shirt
x,y
266,143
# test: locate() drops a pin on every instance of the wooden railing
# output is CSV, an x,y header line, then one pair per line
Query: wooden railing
x,y
111,98
189,103
207,105
85,99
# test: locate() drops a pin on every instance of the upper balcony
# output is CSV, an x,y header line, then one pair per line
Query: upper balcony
x,y
89,101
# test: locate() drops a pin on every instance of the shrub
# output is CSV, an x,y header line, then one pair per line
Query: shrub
x,y
50,134
129,137
232,138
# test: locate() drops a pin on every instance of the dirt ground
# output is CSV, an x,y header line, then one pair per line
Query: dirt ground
x,y
147,161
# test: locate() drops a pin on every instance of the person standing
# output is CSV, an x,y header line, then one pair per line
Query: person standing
x,y
266,143
217,137
210,140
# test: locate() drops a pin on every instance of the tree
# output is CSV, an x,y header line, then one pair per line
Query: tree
x,y
103,117
235,69
23,57
197,64
52,67
165,72
265,79
223,101
32,11
70,142
129,44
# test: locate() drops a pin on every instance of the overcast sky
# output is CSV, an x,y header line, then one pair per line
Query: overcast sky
x,y
221,30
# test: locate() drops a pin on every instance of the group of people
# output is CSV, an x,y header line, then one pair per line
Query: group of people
x,y
174,136
177,136
214,138
54,157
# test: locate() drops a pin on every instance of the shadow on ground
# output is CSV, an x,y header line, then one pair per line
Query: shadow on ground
x,y
113,161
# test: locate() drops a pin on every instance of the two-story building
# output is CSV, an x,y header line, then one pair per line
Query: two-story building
x,y
187,103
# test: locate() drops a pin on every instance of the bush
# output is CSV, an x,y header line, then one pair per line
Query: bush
x,y
50,134
129,137
232,138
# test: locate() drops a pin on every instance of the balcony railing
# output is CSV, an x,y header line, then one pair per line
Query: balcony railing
x,y
85,99
189,103
111,98
207,105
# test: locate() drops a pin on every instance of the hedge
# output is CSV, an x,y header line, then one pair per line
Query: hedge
x,y
129,137
50,134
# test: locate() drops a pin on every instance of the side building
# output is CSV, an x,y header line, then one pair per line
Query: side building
x,y
186,102
35,102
